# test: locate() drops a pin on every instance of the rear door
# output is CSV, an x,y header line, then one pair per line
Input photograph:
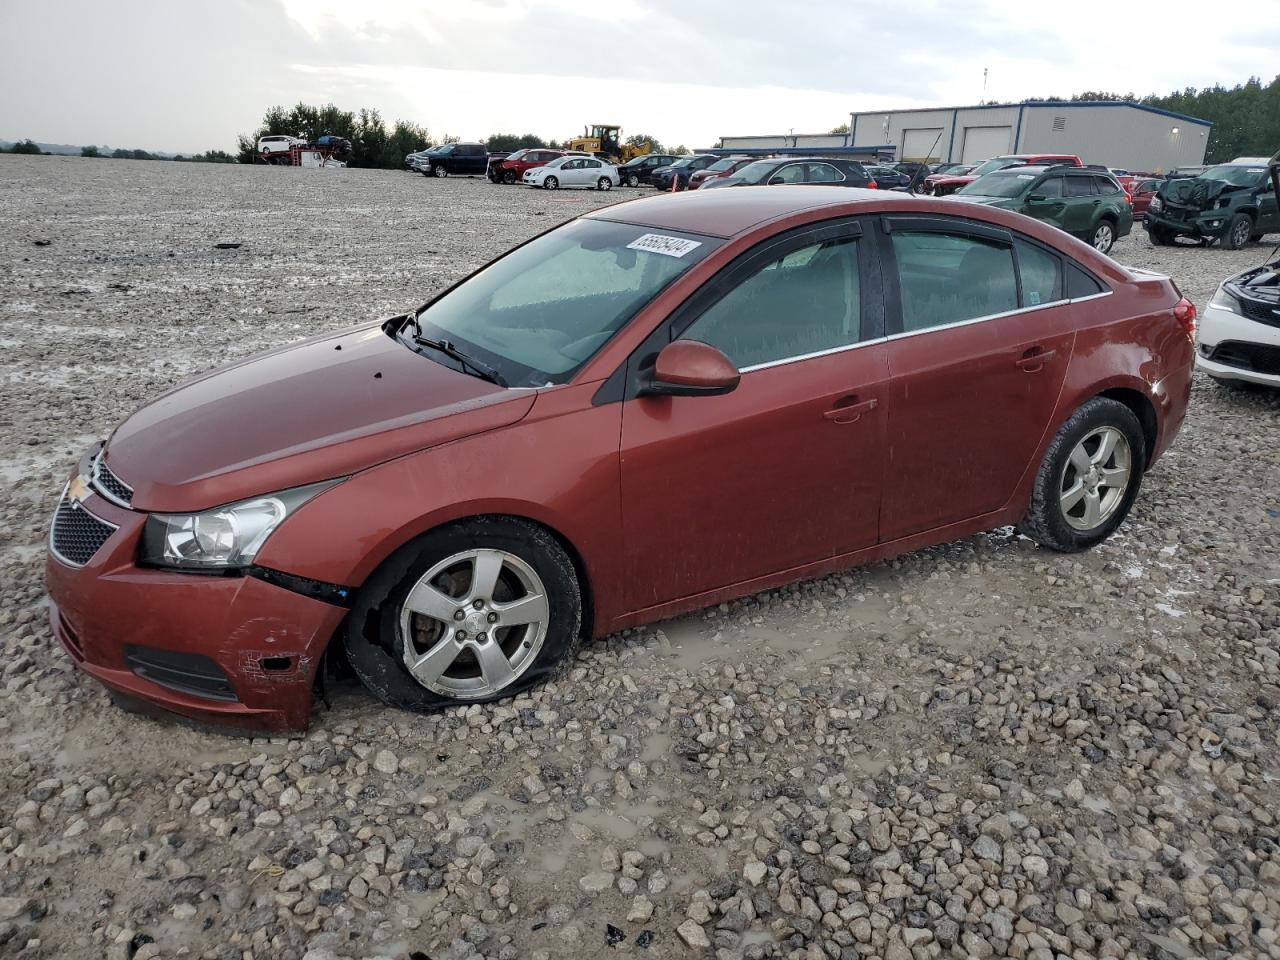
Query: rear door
x,y
784,470
980,335
592,171
1082,201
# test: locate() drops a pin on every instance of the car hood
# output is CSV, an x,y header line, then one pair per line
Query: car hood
x,y
1197,192
323,408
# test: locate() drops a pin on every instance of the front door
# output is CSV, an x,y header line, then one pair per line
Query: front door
x,y
976,367
784,470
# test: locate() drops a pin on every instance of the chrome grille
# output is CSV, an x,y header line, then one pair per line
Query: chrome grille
x,y
77,534
109,485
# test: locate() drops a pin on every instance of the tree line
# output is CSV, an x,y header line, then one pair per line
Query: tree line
x,y
1245,118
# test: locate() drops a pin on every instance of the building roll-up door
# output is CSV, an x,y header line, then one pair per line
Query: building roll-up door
x,y
983,143
923,145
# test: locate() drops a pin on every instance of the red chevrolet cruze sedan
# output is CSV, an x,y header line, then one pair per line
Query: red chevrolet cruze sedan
x,y
657,406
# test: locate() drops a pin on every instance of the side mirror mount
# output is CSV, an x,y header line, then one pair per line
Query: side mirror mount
x,y
690,368
774,181
1037,198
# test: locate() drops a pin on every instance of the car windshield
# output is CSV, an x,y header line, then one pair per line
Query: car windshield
x,y
1236,176
725,164
557,162
1002,183
517,155
542,311
989,166
683,163
757,172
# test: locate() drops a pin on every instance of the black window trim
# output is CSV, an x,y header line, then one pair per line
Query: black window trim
x,y
625,382
942,224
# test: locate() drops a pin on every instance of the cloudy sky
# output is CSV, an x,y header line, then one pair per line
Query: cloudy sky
x,y
188,75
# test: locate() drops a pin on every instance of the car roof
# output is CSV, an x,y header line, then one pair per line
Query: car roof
x,y
726,213
1247,162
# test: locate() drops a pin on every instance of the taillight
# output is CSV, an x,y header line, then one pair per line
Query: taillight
x,y
871,185
1184,311
1128,198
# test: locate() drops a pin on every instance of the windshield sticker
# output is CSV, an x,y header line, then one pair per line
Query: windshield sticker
x,y
667,246
1257,170
1026,176
1034,297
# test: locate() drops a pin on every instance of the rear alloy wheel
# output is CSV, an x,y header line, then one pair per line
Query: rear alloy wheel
x,y
633,180
1103,237
1238,233
440,170
604,183
551,183
478,611
1088,479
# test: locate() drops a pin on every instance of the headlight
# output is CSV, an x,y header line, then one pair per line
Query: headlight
x,y
225,538
1156,204
1225,301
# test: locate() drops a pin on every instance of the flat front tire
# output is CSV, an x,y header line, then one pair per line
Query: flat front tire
x,y
1088,479
1238,232
472,612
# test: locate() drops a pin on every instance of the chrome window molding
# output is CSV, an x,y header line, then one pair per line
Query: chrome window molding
x,y
915,333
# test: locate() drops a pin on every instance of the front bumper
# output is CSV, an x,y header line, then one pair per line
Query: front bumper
x,y
1208,223
1220,327
264,639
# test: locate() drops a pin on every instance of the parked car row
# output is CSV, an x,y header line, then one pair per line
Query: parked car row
x,y
450,159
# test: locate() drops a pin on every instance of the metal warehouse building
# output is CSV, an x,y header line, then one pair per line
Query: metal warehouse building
x,y
1114,133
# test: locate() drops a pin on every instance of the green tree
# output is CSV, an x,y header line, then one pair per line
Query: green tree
x,y
404,138
843,128
511,142
89,151
26,146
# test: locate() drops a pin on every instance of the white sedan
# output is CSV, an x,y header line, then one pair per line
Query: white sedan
x,y
573,171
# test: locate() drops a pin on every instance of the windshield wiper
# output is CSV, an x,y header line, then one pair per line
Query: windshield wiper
x,y
478,367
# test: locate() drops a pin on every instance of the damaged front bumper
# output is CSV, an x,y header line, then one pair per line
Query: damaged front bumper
x,y
225,650
1195,223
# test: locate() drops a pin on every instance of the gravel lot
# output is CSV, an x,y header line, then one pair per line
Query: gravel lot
x,y
979,750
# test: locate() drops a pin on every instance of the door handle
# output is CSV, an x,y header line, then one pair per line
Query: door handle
x,y
849,409
1033,360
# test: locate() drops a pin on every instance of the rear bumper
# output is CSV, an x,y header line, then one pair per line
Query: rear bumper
x,y
264,640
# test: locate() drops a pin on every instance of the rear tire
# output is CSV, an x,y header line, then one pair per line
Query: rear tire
x,y
509,176
1238,232
1088,479
529,570
1103,236
604,183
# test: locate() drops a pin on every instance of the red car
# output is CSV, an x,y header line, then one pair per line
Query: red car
x,y
1142,190
721,168
941,184
511,170
660,405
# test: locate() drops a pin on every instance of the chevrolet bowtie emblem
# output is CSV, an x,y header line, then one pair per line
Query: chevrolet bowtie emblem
x,y
78,489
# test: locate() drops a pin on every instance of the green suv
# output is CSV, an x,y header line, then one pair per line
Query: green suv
x,y
1232,202
1086,203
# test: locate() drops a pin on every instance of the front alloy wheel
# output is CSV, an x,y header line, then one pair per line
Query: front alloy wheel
x,y
474,611
633,180
440,170
473,623
551,183
1239,232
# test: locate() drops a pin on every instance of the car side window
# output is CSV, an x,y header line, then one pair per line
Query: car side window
x,y
1040,273
823,173
1078,187
805,302
1148,186
946,278
591,163
1106,187
1049,187
791,173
